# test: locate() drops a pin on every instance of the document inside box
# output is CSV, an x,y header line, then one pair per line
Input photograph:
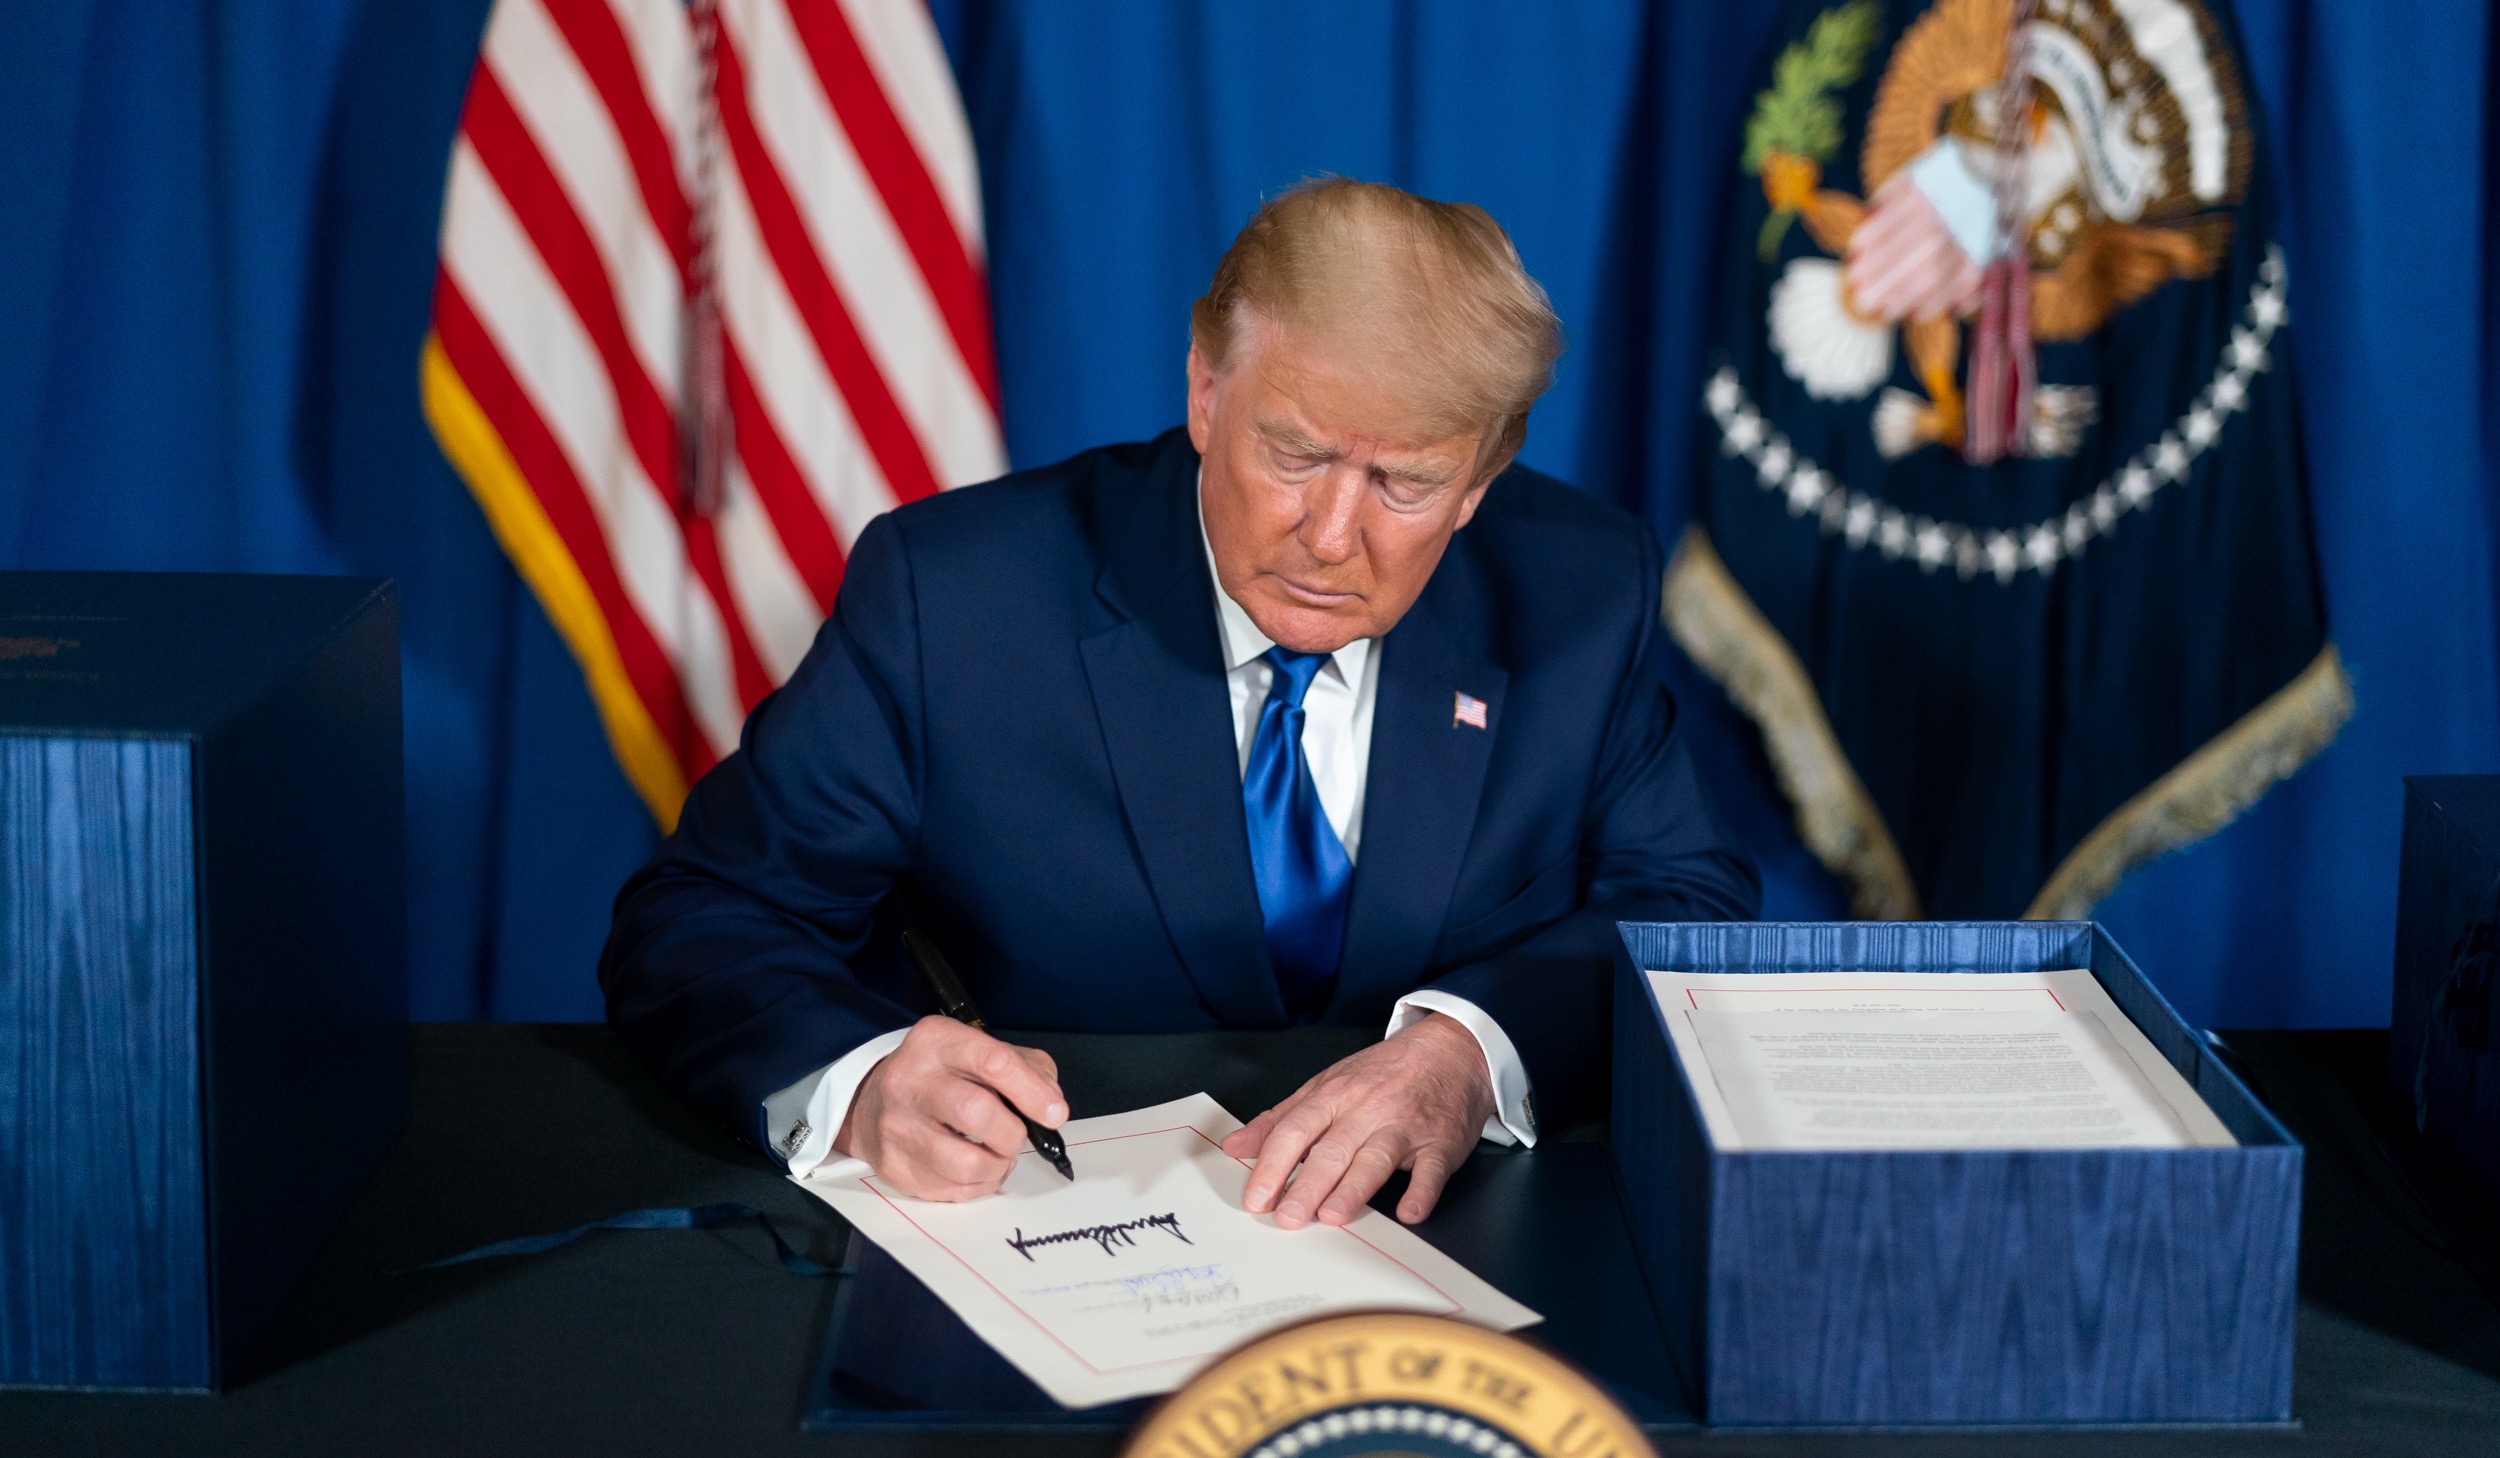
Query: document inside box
x,y
1886,1060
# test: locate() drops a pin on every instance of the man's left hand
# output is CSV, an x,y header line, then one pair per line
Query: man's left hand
x,y
1415,1101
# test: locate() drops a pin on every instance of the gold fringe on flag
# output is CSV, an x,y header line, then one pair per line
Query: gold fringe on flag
x,y
1714,619
469,441
2205,791
1728,636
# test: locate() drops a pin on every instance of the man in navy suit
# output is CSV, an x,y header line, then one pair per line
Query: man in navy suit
x,y
1317,712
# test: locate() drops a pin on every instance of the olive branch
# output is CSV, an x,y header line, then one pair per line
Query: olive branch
x,y
1797,118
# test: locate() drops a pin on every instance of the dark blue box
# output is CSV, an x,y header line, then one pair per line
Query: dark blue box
x,y
2443,1069
203,965
2027,1287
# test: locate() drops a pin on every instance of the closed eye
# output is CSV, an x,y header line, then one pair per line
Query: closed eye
x,y
1407,493
1295,463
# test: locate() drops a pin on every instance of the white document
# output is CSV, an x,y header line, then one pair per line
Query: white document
x,y
1146,1269
1925,1060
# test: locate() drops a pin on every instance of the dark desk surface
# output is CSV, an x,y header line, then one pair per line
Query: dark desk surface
x,y
698,1342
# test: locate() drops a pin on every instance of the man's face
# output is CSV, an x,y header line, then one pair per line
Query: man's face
x,y
1327,503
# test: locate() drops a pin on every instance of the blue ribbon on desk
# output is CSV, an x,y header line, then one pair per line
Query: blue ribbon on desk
x,y
699,1217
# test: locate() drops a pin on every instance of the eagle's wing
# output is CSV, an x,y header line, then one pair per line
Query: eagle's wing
x,y
1830,220
1948,53
2112,266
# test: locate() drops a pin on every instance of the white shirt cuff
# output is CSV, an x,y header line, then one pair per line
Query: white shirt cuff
x,y
1514,1103
805,1117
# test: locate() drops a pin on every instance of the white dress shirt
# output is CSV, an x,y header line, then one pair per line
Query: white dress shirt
x,y
1336,743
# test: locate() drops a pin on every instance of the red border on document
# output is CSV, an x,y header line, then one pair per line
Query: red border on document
x,y
869,1181
2001,991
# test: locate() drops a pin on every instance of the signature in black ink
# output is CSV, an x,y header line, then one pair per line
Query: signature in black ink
x,y
1106,1236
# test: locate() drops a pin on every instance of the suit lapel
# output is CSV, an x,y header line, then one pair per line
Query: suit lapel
x,y
1422,786
1158,684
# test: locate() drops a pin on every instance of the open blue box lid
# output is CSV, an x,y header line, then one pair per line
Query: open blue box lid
x,y
1971,1287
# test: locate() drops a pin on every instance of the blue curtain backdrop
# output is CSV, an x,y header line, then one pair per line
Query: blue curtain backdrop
x,y
218,244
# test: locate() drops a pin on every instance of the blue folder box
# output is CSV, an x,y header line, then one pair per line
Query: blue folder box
x,y
203,967
1880,1289
2443,1062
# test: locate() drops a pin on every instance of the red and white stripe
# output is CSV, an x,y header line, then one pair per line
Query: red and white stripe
x,y
846,260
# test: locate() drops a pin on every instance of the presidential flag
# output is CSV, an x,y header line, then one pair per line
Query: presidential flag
x,y
2002,537
710,298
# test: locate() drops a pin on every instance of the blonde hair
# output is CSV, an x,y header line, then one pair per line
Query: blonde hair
x,y
1432,292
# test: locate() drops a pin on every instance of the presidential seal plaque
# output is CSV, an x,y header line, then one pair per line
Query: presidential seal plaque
x,y
1389,1384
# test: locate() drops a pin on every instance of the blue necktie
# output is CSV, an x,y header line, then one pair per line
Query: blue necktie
x,y
1301,866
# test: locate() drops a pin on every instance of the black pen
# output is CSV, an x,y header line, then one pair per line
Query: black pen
x,y
957,1004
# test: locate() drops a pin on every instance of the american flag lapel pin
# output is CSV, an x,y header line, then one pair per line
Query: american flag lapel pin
x,y
1468,711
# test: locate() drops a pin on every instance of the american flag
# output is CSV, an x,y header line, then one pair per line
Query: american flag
x,y
710,298
1469,710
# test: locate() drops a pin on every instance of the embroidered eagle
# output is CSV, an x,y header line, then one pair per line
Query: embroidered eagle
x,y
2130,152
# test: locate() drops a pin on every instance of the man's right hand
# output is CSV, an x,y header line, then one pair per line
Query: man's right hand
x,y
933,1117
